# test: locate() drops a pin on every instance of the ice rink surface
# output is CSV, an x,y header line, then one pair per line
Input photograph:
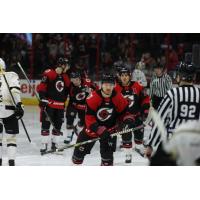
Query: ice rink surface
x,y
28,154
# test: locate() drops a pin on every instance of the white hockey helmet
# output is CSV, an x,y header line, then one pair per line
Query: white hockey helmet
x,y
2,64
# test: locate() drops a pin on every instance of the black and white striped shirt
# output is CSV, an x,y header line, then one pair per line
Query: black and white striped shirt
x,y
179,105
160,85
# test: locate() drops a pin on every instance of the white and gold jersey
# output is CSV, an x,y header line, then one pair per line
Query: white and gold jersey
x,y
6,103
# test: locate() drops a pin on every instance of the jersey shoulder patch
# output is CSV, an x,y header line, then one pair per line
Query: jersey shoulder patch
x,y
93,100
13,79
11,75
50,74
137,87
47,71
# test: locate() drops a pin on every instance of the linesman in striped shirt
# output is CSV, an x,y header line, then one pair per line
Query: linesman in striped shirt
x,y
179,105
160,83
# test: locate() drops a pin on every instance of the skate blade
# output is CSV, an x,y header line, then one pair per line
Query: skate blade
x,y
60,152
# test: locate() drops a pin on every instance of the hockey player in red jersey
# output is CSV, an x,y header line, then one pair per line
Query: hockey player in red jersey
x,y
139,103
80,88
53,91
104,108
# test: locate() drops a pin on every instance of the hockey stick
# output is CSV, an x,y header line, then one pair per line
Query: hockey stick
x,y
93,140
37,96
29,139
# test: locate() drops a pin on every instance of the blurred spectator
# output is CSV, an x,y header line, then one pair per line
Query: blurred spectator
x,y
52,46
173,60
139,76
92,50
82,48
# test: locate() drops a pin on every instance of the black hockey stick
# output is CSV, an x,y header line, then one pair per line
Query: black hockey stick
x,y
29,139
37,96
93,140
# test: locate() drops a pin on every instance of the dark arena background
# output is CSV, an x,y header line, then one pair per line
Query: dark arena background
x,y
97,52
94,53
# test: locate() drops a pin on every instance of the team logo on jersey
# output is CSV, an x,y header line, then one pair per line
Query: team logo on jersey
x,y
80,96
60,86
104,113
130,99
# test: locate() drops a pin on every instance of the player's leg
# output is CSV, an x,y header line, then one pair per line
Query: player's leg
x,y
11,128
80,125
45,128
58,120
107,147
127,146
1,141
80,152
138,137
70,116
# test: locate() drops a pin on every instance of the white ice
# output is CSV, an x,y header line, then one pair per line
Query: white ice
x,y
28,154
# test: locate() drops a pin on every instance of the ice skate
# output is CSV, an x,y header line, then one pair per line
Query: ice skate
x,y
128,155
140,149
70,135
43,150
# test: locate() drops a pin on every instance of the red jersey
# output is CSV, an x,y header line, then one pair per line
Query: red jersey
x,y
139,101
78,94
104,112
55,88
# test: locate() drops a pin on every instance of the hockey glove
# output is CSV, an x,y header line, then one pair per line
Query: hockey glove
x,y
128,123
19,111
148,151
103,133
43,103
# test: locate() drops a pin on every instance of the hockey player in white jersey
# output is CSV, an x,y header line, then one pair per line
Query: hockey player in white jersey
x,y
9,113
182,149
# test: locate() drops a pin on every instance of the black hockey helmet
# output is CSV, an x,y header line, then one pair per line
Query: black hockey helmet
x,y
118,66
108,78
75,75
186,71
158,65
63,61
124,70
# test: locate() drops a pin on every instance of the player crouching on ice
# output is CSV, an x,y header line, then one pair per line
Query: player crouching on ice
x,y
9,113
104,109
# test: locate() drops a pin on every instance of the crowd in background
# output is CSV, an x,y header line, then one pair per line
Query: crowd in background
x,y
96,52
